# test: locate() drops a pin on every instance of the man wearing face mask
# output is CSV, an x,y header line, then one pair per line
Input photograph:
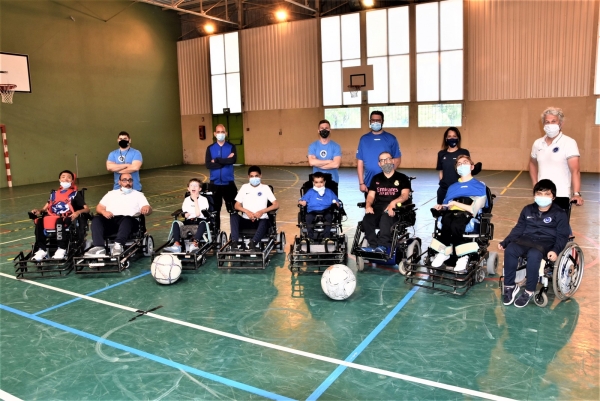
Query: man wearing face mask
x,y
220,158
387,190
125,160
324,154
369,148
252,200
542,231
556,156
115,213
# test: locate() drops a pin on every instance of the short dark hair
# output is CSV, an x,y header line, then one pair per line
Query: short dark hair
x,y
194,180
545,185
377,113
456,131
121,175
324,122
123,133
386,152
254,168
318,174
67,171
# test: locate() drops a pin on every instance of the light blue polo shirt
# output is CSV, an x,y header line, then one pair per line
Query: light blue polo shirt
x,y
370,147
130,155
326,152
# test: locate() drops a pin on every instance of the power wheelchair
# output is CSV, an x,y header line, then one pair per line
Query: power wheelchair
x,y
479,233
405,248
192,260
55,229
236,255
330,248
565,273
139,243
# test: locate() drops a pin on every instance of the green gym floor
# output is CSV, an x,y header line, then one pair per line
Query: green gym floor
x,y
221,335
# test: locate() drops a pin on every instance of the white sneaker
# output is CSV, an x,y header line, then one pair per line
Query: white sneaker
x,y
96,251
39,255
193,247
439,259
174,248
59,254
461,264
117,249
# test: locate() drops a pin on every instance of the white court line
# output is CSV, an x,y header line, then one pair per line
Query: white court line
x,y
277,347
8,242
8,397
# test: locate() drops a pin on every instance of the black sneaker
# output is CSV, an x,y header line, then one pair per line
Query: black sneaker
x,y
524,299
510,293
251,245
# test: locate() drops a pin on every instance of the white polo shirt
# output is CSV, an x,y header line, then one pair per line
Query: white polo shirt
x,y
120,204
255,198
190,207
552,161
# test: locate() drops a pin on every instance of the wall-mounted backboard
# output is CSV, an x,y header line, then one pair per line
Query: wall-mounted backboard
x,y
357,76
15,70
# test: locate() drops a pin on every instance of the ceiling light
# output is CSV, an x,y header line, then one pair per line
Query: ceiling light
x,y
209,28
368,3
281,15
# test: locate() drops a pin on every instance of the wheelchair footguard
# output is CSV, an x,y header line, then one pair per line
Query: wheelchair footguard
x,y
307,256
235,255
114,264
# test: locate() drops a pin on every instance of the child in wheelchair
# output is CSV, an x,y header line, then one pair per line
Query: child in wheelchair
x,y
541,233
193,208
319,200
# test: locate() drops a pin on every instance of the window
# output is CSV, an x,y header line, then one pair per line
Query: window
x,y
440,115
225,73
394,116
344,117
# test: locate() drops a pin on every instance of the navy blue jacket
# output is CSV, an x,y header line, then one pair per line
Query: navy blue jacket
x,y
550,227
221,170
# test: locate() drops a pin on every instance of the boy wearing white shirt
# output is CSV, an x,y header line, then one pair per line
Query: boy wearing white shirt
x,y
252,200
191,208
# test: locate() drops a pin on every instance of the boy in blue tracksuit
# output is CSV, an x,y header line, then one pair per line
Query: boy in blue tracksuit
x,y
319,200
542,231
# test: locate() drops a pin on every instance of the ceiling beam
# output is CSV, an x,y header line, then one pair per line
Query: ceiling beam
x,y
183,10
300,5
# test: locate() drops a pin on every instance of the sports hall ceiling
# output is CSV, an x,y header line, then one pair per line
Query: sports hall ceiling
x,y
225,15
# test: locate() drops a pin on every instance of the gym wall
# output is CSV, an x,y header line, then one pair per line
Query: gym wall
x,y
517,64
111,68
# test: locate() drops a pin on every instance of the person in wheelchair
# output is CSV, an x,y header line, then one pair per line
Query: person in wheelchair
x,y
319,200
541,232
116,212
191,208
464,200
65,205
252,200
387,189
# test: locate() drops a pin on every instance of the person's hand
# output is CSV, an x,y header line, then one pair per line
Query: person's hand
x,y
35,211
363,188
145,209
258,214
230,155
74,215
500,247
369,210
212,160
107,214
438,207
301,202
578,199
450,204
552,256
250,215
390,209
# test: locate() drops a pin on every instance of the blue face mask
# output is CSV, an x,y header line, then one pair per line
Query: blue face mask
x,y
464,170
126,191
543,201
254,181
376,127
220,137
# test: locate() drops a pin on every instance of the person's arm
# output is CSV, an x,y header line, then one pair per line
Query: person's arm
x,y
314,162
135,165
208,160
101,209
397,162
230,159
369,202
563,231
473,208
573,163
360,170
333,164
404,194
533,171
116,167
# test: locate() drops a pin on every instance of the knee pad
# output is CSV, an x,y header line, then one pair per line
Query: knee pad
x,y
467,248
439,247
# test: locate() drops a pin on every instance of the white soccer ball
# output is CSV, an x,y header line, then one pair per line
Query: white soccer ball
x,y
338,282
166,269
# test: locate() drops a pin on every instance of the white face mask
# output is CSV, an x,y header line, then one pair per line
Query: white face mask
x,y
320,190
126,191
65,185
551,130
220,137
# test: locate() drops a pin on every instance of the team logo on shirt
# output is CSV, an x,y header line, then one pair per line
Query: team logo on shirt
x,y
323,153
259,194
555,149
547,220
396,183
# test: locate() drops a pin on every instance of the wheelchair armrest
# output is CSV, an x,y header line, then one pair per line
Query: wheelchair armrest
x,y
33,216
405,208
176,213
362,204
412,178
205,213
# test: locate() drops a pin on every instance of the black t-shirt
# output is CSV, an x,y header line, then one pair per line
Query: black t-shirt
x,y
388,189
446,162
78,203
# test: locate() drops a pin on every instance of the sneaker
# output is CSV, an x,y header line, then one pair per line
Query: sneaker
x,y
367,249
461,264
96,251
524,299
193,247
173,248
439,259
59,254
380,249
117,249
254,245
39,255
510,293
251,245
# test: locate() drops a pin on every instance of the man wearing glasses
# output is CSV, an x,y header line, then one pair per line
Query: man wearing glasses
x,y
115,213
370,147
387,189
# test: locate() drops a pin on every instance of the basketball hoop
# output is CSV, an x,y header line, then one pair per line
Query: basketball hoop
x,y
354,89
7,91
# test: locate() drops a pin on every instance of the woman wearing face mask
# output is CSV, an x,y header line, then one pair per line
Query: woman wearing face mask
x,y
65,204
542,231
447,159
464,200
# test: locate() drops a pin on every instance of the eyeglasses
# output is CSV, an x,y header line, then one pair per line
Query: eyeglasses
x,y
126,179
376,121
465,163
389,159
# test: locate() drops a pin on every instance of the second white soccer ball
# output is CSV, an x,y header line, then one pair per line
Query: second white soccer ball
x,y
338,282
166,268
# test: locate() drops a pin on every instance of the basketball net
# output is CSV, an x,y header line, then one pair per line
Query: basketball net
x,y
354,90
7,91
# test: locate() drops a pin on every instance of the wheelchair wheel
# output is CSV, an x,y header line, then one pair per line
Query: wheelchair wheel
x,y
222,239
360,264
148,245
281,245
541,299
480,275
568,271
491,263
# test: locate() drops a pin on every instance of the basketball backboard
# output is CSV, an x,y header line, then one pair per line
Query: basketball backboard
x,y
15,70
361,76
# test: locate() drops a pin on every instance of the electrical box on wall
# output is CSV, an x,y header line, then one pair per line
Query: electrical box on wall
x,y
202,132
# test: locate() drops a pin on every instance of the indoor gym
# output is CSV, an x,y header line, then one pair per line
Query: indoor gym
x,y
269,334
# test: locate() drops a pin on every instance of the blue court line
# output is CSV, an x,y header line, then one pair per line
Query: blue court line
x,y
152,357
91,293
361,347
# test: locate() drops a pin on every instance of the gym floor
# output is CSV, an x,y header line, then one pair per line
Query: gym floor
x,y
269,334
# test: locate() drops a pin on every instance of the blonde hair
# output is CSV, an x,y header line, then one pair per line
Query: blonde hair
x,y
463,157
